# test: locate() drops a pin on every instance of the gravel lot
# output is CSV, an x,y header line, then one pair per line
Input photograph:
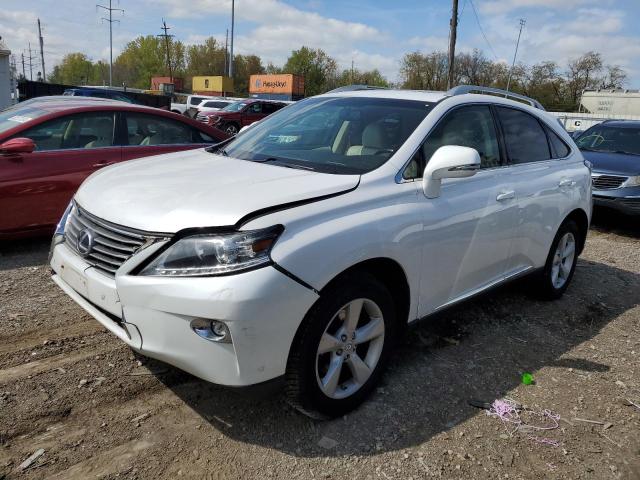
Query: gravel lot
x,y
99,411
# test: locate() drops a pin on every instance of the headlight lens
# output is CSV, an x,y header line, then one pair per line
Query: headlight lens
x,y
215,254
63,221
631,182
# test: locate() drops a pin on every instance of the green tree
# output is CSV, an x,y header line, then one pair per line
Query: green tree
x,y
358,77
146,57
319,70
207,58
75,69
243,67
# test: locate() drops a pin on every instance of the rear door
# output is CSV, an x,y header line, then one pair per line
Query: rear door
x,y
148,134
541,175
468,230
35,188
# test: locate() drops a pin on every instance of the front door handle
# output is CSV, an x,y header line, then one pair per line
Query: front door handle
x,y
566,182
503,196
102,164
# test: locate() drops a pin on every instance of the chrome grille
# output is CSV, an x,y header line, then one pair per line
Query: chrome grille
x,y
607,182
112,244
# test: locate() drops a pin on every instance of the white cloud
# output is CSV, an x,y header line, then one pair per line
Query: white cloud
x,y
504,6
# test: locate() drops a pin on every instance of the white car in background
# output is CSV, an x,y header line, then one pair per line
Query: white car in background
x,y
211,105
302,248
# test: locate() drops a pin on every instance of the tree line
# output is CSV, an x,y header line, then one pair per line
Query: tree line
x,y
556,87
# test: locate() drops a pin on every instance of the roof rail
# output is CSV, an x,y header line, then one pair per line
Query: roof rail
x,y
353,88
462,89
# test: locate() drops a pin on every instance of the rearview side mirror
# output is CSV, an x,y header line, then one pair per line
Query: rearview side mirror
x,y
17,146
450,161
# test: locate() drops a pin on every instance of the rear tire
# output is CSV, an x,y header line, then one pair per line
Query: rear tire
x,y
341,347
558,271
231,129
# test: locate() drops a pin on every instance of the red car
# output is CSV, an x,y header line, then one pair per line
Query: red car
x,y
240,114
49,146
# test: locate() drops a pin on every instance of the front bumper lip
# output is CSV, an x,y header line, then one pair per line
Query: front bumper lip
x,y
263,309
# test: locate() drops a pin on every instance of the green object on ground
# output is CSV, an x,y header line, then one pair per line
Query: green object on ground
x,y
527,379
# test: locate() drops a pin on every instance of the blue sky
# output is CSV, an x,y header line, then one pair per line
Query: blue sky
x,y
375,34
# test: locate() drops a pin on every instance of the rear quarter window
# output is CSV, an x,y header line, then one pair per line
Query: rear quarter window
x,y
524,137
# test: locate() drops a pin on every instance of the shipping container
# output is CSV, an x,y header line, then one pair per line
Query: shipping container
x,y
286,83
277,96
212,85
177,82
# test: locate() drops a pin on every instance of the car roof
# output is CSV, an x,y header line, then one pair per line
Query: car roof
x,y
622,123
419,95
58,103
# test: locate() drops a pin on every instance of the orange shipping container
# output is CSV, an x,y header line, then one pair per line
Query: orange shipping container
x,y
285,83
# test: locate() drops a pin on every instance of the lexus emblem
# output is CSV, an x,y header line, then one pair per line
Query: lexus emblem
x,y
85,241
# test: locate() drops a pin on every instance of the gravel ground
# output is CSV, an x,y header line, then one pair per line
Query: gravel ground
x,y
98,410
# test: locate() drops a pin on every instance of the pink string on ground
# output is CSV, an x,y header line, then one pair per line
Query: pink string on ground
x,y
508,412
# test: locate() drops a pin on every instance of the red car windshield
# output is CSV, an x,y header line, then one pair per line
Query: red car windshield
x,y
234,107
17,115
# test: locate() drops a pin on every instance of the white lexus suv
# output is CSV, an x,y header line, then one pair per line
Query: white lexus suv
x,y
301,248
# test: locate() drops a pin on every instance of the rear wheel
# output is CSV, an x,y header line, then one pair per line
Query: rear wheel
x,y
561,262
341,347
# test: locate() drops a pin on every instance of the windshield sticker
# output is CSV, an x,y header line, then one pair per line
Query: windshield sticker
x,y
19,119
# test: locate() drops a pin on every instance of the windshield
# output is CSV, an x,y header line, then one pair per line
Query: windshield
x,y
343,135
234,107
603,138
13,116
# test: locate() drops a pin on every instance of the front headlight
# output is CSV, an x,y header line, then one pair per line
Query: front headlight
x,y
631,182
215,254
62,224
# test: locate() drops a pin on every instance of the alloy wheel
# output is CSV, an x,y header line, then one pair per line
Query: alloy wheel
x,y
563,260
350,348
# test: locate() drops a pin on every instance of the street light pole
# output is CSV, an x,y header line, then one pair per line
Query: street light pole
x,y
522,22
233,9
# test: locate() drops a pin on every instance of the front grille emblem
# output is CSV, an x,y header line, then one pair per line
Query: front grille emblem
x,y
85,241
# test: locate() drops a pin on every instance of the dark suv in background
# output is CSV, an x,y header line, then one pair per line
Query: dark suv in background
x,y
240,114
613,147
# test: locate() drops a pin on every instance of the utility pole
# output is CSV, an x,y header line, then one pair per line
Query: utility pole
x,y
352,71
30,64
44,76
452,43
166,37
24,75
226,52
111,21
522,22
233,11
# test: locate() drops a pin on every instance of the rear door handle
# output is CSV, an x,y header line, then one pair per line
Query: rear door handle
x,y
103,164
503,196
566,182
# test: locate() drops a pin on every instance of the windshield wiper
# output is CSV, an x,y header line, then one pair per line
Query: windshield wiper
x,y
284,163
219,147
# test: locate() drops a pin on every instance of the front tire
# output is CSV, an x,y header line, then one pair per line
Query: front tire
x,y
341,347
231,129
561,262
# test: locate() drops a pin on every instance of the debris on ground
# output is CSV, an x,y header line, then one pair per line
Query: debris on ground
x,y
29,461
513,418
327,443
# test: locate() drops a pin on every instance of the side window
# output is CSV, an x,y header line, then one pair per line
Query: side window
x,y
470,126
523,136
269,108
558,147
255,108
92,130
156,130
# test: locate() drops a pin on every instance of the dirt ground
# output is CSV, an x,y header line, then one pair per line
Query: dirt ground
x,y
69,387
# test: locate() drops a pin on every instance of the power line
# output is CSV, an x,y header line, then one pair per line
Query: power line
x,y
166,37
475,12
111,22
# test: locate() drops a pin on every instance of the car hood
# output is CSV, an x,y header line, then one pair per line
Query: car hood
x,y
168,193
614,163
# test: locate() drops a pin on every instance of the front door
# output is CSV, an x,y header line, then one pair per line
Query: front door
x,y
468,230
36,187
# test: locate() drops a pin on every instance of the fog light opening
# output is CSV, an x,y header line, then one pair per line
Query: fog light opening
x,y
212,330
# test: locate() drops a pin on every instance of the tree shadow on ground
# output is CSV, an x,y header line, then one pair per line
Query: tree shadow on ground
x,y
606,220
475,351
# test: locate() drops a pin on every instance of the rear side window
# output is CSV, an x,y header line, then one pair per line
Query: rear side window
x,y
524,137
558,147
148,130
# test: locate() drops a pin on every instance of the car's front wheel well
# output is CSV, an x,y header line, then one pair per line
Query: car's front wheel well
x,y
582,222
391,275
